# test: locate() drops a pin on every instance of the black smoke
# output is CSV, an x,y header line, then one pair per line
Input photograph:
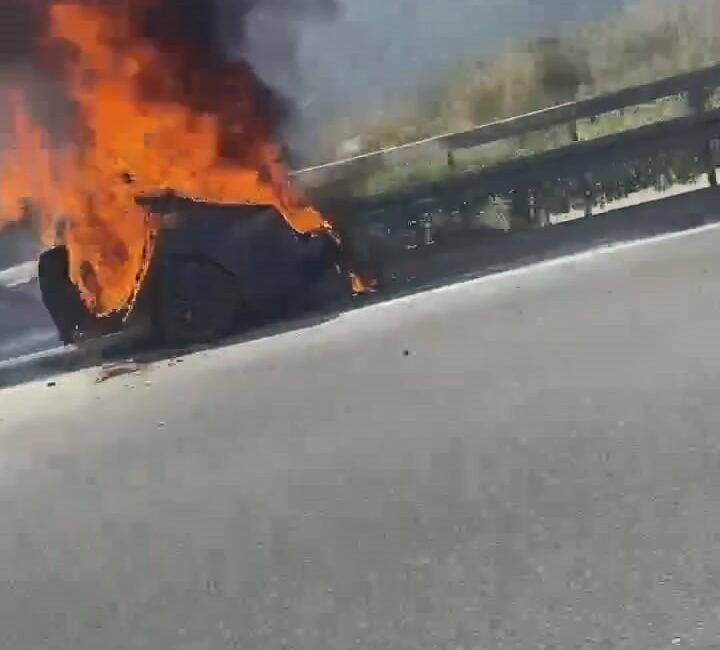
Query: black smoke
x,y
21,24
227,46
206,45
26,65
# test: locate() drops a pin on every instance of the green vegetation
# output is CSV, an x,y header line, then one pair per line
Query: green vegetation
x,y
648,40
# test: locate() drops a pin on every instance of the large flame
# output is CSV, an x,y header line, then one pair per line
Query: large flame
x,y
135,137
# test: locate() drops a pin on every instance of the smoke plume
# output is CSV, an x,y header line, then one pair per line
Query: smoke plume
x,y
214,48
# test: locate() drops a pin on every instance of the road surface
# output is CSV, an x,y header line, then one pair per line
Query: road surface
x,y
524,461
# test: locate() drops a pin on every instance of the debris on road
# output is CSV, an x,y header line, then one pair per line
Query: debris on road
x,y
117,369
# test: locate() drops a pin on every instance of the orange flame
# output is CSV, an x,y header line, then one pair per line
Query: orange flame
x,y
132,145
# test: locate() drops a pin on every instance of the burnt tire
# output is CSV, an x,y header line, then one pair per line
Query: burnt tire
x,y
197,302
60,295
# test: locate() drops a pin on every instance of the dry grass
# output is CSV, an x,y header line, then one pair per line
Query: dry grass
x,y
648,40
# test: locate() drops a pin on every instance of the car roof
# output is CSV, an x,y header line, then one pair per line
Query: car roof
x,y
171,202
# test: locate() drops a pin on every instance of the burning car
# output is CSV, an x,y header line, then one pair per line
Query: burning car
x,y
127,99
214,267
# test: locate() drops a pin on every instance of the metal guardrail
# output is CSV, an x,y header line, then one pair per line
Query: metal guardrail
x,y
415,213
690,83
573,160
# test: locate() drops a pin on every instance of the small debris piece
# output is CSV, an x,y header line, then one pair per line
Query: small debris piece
x,y
406,353
51,384
112,370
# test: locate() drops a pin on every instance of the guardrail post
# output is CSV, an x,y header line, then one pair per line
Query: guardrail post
x,y
588,194
586,179
697,97
532,207
573,131
427,230
536,210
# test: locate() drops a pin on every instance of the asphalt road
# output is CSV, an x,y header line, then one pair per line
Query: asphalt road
x,y
25,326
525,461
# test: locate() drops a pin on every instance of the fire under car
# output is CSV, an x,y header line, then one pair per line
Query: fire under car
x,y
215,268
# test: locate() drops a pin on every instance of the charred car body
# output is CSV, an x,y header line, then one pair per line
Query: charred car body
x,y
215,267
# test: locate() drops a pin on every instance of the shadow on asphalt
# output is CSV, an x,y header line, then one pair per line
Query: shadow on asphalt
x,y
431,267
114,355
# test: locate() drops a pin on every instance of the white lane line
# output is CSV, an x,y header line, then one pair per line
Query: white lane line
x,y
18,275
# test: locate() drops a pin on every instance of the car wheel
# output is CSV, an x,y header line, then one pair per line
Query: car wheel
x,y
198,302
60,296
